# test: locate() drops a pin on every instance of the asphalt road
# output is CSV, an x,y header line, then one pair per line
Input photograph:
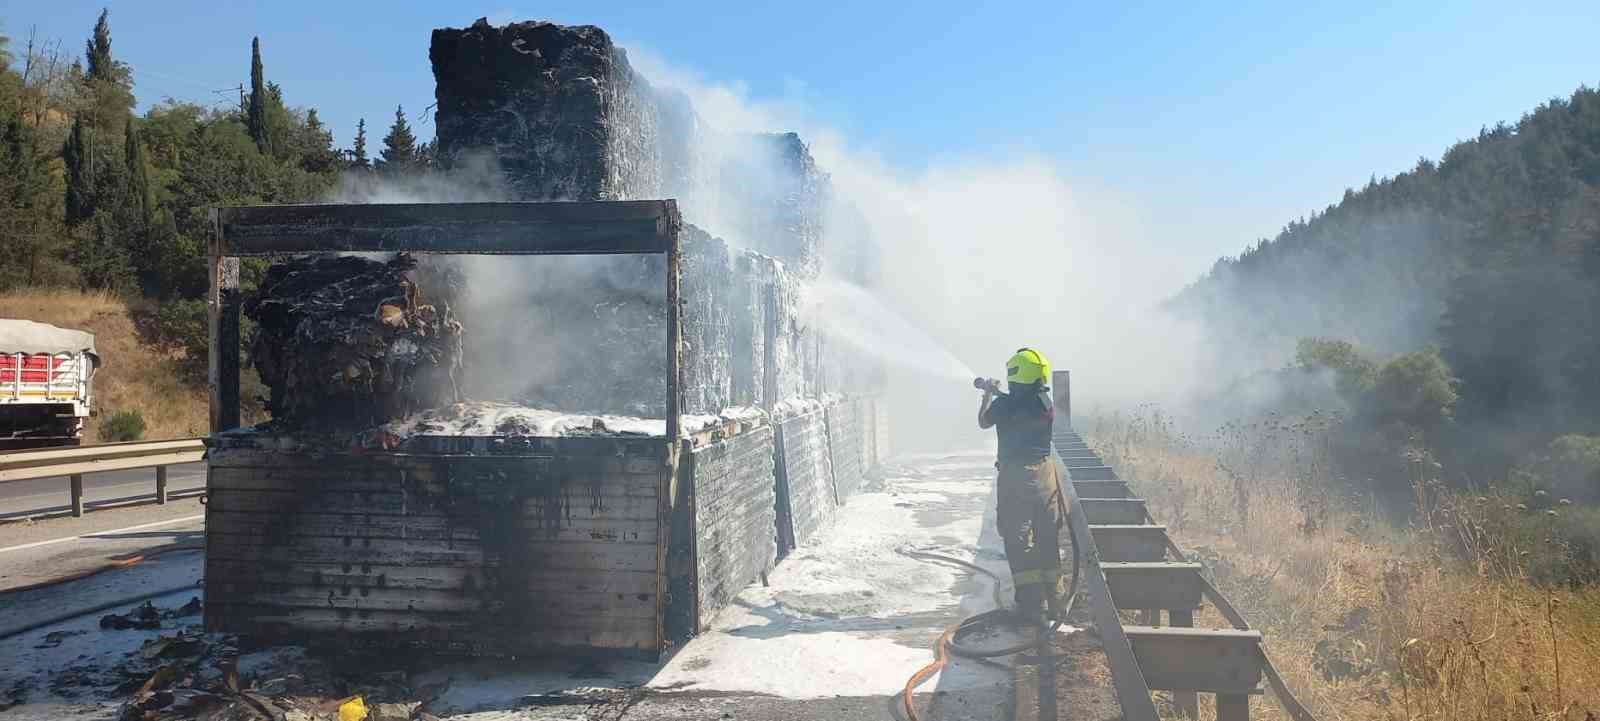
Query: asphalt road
x,y
22,499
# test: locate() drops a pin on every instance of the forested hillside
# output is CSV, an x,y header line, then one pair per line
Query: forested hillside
x,y
1491,255
113,204
96,196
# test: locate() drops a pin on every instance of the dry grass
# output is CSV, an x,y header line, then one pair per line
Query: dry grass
x,y
133,376
1366,620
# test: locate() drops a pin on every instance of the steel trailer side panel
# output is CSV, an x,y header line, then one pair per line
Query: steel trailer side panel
x,y
880,430
812,501
844,448
866,435
483,554
735,518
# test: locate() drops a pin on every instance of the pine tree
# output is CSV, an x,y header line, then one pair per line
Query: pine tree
x,y
399,154
256,115
78,156
316,151
358,154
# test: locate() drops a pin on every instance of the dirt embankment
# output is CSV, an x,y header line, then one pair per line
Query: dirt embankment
x,y
134,376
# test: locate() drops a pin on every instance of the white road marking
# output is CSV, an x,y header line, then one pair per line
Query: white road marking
x,y
139,527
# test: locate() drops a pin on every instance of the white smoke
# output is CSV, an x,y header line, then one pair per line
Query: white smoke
x,y
989,255
513,346
979,257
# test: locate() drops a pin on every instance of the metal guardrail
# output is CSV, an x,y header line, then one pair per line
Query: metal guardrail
x,y
73,463
1126,568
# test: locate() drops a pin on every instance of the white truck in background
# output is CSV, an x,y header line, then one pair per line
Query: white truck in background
x,y
46,384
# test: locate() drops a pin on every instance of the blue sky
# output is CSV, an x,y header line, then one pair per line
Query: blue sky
x,y
1217,122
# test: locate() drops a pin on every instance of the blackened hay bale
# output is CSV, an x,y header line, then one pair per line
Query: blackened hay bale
x,y
345,342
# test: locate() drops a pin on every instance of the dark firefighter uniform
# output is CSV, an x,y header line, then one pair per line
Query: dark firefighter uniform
x,y
1030,509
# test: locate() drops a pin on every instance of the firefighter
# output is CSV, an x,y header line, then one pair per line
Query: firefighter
x,y
1030,509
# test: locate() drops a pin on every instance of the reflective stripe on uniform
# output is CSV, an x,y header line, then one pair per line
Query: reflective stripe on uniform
x,y
1037,577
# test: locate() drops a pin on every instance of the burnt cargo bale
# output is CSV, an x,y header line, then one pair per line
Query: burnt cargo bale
x,y
745,343
797,350
710,300
769,198
807,501
346,342
769,357
558,107
566,117
556,546
733,503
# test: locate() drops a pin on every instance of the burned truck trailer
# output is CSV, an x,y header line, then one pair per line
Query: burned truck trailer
x,y
709,452
484,544
494,529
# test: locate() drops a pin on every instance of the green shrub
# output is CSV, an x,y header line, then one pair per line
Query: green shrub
x,y
122,426
1354,372
1568,468
183,327
1416,389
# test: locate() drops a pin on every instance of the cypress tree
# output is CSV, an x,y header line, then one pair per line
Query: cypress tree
x,y
78,157
98,50
108,86
138,177
256,116
21,170
24,205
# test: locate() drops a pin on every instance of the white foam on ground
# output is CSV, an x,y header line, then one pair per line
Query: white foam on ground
x,y
839,616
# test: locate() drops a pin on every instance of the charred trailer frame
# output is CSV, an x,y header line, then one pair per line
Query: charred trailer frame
x,y
476,545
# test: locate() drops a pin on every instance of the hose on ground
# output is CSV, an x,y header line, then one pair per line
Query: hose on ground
x,y
948,641
63,618
112,566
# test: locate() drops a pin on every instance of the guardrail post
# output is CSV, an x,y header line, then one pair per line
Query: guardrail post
x,y
1188,702
161,484
1233,707
1061,389
77,495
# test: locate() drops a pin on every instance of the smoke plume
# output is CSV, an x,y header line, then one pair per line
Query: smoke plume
x,y
984,256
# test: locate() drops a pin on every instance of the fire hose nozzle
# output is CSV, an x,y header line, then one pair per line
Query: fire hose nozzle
x,y
986,384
